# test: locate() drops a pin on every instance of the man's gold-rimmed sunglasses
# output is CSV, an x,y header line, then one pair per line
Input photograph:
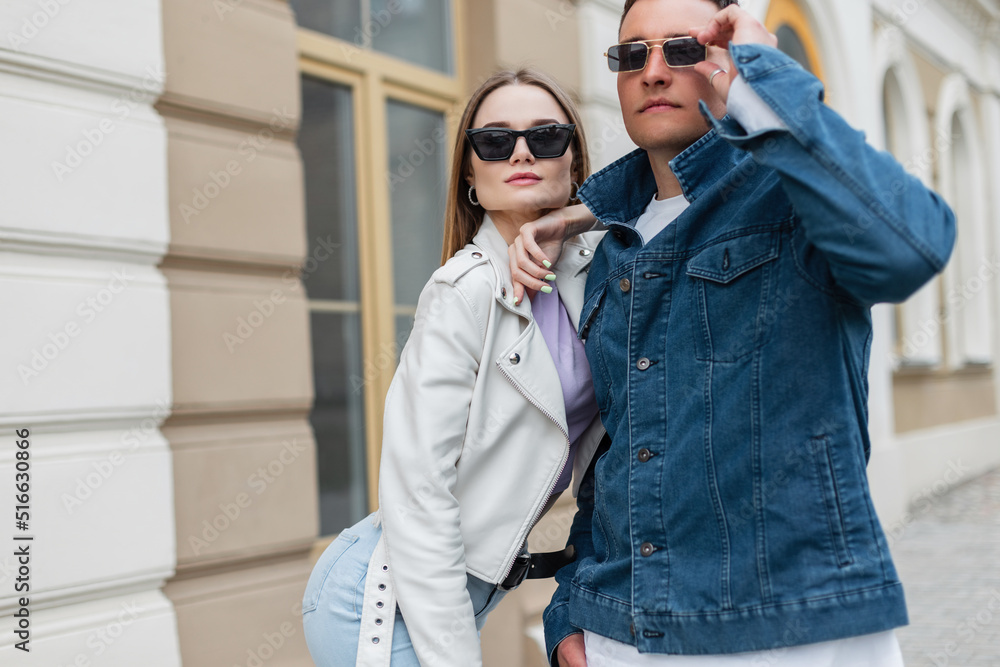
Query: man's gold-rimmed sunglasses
x,y
677,52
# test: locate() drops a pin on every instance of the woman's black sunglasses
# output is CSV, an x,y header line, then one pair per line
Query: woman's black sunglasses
x,y
497,143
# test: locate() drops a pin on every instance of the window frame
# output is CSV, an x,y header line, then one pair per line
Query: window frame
x,y
374,78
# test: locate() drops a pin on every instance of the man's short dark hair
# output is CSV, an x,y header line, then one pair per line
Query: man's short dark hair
x,y
721,4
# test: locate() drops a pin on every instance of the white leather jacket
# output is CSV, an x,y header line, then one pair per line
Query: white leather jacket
x,y
475,437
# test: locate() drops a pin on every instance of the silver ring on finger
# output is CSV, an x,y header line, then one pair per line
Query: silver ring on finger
x,y
711,77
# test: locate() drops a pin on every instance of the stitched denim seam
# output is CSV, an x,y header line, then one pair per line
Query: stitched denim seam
x,y
866,199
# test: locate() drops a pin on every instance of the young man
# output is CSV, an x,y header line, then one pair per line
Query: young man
x,y
727,324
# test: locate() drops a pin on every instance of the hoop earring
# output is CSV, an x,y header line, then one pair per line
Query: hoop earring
x,y
471,200
574,197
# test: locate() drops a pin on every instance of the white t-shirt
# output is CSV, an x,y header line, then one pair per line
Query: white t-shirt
x,y
659,214
876,650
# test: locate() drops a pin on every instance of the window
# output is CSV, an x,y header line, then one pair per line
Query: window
x,y
418,31
378,115
918,325
790,24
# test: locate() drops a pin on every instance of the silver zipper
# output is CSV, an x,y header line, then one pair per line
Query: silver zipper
x,y
565,459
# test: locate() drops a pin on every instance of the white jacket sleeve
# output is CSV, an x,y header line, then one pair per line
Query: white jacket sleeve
x,y
426,417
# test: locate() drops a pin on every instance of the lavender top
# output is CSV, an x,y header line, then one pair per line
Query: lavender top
x,y
573,369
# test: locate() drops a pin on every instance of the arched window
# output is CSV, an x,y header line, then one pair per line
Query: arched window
x,y
918,330
968,279
789,22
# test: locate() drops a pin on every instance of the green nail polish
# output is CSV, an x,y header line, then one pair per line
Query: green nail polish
x,y
551,276
547,289
547,264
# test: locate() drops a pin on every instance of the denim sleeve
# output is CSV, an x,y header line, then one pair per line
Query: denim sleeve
x,y
882,232
555,619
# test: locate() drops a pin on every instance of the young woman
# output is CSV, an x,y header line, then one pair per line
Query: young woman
x,y
489,412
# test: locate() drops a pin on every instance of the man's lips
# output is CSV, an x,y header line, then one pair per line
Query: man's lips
x,y
657,104
523,178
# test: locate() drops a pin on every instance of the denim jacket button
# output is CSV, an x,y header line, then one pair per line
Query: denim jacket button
x,y
646,549
625,284
645,455
642,364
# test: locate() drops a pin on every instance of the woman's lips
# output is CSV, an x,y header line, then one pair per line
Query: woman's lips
x,y
524,178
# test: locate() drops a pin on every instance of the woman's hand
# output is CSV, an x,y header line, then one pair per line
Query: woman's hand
x,y
539,244
571,653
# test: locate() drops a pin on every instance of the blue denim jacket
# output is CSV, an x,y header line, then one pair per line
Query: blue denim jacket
x,y
731,511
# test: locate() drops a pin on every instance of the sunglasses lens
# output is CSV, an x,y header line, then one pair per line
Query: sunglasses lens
x,y
493,145
627,57
683,52
550,141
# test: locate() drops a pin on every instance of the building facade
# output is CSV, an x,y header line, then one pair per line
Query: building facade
x,y
218,217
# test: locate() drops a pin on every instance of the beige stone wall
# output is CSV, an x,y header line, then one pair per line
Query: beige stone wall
x,y
244,459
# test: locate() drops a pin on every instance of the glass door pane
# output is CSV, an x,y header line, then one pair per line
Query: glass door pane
x,y
330,274
417,31
418,159
338,18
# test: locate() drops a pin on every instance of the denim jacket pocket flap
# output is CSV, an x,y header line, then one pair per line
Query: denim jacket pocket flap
x,y
726,261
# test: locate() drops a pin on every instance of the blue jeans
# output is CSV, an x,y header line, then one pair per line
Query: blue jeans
x,y
334,598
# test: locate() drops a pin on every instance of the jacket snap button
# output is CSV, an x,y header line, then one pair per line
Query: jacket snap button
x,y
584,253
642,364
645,455
379,604
385,568
374,640
514,358
625,284
378,621
477,255
381,587
503,292
646,549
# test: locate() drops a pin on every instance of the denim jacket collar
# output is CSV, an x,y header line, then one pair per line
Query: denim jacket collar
x,y
697,168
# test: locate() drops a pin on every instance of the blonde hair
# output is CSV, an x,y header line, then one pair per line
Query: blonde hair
x,y
461,218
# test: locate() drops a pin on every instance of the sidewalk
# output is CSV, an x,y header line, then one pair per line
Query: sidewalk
x,y
949,562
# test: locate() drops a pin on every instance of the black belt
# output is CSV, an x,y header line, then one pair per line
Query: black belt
x,y
537,566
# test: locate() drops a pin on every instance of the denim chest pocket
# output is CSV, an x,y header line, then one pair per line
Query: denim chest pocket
x,y
732,284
